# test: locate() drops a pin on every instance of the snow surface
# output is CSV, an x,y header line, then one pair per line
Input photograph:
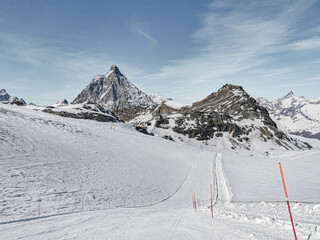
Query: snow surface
x,y
63,163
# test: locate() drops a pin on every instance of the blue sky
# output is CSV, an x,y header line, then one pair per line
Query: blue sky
x,y
180,49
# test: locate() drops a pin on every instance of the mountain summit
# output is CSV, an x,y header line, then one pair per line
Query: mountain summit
x,y
115,91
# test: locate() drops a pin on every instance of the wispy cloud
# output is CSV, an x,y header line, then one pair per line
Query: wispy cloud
x,y
38,53
312,43
236,38
145,34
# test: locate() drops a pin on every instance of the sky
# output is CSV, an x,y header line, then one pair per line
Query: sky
x,y
183,49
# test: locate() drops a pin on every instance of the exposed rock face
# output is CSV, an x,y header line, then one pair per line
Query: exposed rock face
x,y
295,115
115,91
84,111
229,114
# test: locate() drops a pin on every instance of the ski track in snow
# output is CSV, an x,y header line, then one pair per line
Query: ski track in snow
x,y
61,162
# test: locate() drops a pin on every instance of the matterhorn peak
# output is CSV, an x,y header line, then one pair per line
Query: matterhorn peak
x,y
115,91
115,69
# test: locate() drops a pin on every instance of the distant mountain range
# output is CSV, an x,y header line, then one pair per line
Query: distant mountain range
x,y
295,115
228,118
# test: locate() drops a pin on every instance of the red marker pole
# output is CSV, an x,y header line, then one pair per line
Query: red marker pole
x,y
211,200
109,204
124,203
285,192
195,201
82,206
39,209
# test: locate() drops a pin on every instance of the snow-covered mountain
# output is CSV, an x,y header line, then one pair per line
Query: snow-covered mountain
x,y
115,91
157,98
5,97
228,118
294,114
61,102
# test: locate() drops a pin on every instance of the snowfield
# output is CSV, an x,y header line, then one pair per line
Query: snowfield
x,y
96,180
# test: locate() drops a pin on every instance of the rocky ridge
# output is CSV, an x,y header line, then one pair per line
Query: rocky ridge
x,y
229,116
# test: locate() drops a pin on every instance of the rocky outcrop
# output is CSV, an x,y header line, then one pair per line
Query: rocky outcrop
x,y
84,111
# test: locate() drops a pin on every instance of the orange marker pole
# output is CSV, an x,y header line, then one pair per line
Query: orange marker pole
x,y
285,192
211,200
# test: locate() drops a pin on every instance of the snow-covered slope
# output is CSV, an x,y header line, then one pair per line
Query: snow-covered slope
x,y
114,90
61,162
74,168
294,114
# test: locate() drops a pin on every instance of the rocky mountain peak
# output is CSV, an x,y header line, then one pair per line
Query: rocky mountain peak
x,y
115,91
229,99
230,87
3,92
114,69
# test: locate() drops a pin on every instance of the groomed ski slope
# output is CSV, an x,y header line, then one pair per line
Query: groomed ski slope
x,y
63,162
